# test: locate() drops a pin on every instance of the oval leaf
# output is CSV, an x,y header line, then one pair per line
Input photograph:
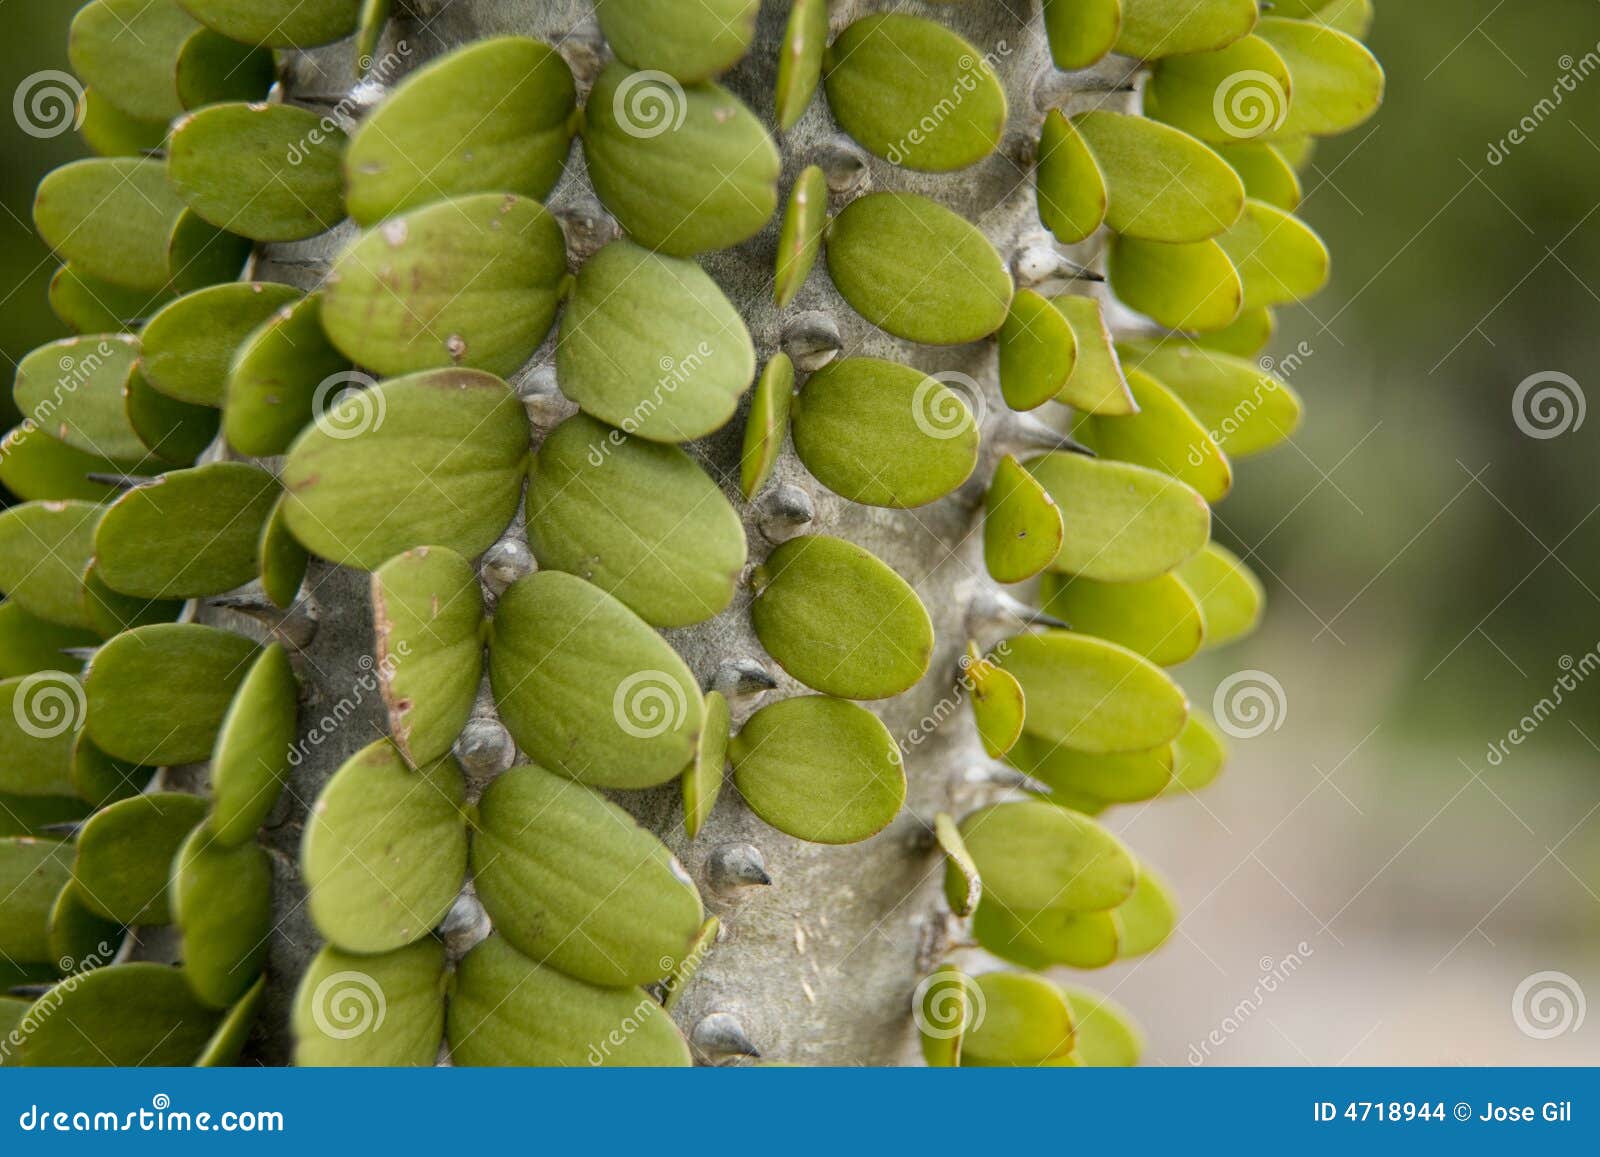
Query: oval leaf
x,y
253,749
125,853
384,1010
1022,526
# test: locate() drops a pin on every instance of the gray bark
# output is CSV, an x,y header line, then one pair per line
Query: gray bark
x,y
818,967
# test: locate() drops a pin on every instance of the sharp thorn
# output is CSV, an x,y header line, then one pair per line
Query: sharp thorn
x,y
740,678
736,866
720,1035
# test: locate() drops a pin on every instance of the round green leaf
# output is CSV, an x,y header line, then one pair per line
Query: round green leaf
x,y
158,693
29,643
199,254
1230,596
587,688
1267,176
279,23
998,705
1247,336
915,269
428,624
914,92
1070,186
1164,435
1022,527
640,520
767,425
280,374
253,751
176,432
468,281
1047,938
385,850
800,237
32,874
688,41
385,1010
41,715
233,1032
1038,351
1198,755
111,217
1124,523
1025,1021
1156,28
1106,1034
1097,384
112,611
805,37
44,549
222,902
702,779
100,779
73,389
1158,618
1092,695
127,50
1081,32
90,304
1234,94
1035,856
186,347
1161,184
80,940
433,459
1279,258
970,886
651,345
1338,83
1185,287
1245,408
884,434
683,169
839,620
110,132
186,534
122,1015
269,172
281,558
495,116
819,769
571,880
1129,777
125,852
1148,916
213,68
507,1010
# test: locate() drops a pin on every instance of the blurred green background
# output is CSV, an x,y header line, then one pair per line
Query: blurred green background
x,y
1429,563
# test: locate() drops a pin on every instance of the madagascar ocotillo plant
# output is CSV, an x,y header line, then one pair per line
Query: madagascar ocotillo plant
x,y
634,532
